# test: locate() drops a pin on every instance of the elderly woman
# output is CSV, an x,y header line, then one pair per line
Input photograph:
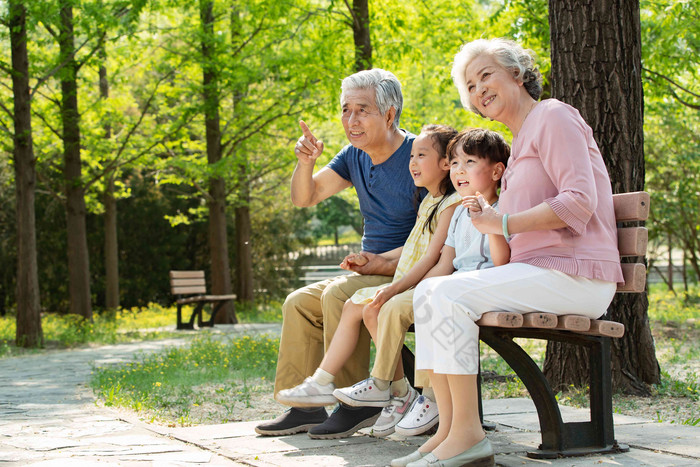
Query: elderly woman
x,y
556,211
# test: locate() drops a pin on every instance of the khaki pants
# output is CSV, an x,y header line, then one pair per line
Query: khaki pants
x,y
394,319
310,318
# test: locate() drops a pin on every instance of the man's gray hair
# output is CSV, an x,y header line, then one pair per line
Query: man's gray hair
x,y
387,89
508,54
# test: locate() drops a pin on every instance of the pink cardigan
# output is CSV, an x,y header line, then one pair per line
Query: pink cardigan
x,y
555,159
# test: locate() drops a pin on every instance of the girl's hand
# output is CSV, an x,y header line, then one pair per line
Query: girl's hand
x,y
381,296
487,220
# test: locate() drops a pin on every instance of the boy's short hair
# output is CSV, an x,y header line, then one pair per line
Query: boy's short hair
x,y
482,143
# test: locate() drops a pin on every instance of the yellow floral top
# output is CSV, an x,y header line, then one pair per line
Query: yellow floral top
x,y
416,244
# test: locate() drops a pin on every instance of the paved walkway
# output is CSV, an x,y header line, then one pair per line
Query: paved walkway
x,y
48,417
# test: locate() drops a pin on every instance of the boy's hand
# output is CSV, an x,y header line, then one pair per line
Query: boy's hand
x,y
308,148
486,220
472,203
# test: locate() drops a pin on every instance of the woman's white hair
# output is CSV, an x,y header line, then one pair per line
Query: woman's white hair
x,y
386,86
508,54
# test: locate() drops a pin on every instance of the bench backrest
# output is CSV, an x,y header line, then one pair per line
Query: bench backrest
x,y
632,240
187,282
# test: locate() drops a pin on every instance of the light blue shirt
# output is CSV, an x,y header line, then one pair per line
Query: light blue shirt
x,y
471,246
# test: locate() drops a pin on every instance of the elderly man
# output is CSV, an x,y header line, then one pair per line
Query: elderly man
x,y
376,164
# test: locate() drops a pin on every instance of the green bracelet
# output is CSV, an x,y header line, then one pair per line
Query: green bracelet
x,y
505,226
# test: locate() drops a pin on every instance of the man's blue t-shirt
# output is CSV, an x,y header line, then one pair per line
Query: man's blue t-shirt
x,y
386,194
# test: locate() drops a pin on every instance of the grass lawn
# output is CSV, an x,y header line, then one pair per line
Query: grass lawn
x,y
126,325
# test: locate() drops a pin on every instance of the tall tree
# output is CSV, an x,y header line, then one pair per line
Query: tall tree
x,y
596,67
111,244
29,332
359,11
218,236
78,259
241,184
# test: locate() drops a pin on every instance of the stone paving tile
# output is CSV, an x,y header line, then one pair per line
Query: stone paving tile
x,y
673,439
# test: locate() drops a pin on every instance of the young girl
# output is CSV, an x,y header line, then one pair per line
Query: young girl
x,y
430,169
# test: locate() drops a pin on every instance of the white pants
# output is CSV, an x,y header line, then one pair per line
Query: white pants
x,y
446,308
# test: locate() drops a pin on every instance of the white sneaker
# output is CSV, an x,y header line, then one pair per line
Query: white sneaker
x,y
307,394
364,394
393,413
422,416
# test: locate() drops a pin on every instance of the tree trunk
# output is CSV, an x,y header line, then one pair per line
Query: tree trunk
x,y
218,238
29,332
244,252
669,269
111,245
596,67
360,33
243,238
78,261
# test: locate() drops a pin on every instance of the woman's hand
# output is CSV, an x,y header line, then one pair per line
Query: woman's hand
x,y
484,217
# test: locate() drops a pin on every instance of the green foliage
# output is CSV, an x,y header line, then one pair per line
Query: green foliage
x,y
671,61
336,212
264,312
677,306
164,382
108,327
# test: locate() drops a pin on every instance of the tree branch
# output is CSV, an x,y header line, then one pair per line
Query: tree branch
x,y
666,78
114,163
79,64
7,110
6,129
50,30
5,67
47,183
55,131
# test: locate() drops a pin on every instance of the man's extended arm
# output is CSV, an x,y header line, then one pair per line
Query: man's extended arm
x,y
308,189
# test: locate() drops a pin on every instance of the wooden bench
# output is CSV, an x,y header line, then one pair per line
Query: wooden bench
x,y
191,287
498,329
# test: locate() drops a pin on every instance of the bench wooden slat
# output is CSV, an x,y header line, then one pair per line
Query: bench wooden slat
x,y
205,298
186,274
188,290
540,320
632,241
188,282
632,206
601,327
635,275
501,319
575,323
